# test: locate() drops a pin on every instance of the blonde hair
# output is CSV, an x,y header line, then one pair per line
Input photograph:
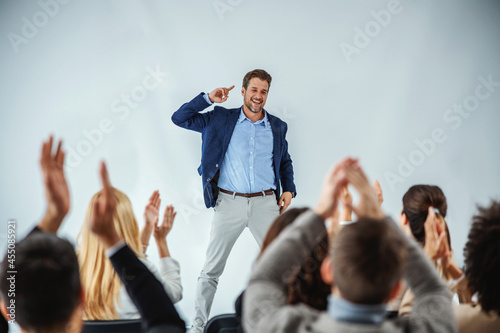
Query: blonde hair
x,y
100,282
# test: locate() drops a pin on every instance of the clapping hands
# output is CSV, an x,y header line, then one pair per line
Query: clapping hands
x,y
436,245
347,172
56,187
151,213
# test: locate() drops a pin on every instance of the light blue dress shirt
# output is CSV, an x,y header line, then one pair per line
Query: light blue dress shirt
x,y
248,162
343,310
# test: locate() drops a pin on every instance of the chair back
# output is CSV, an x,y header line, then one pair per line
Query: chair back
x,y
224,323
113,326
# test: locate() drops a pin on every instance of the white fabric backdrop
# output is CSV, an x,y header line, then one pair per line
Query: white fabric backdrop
x,y
373,79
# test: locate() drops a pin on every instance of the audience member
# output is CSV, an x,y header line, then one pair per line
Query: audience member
x,y
48,293
145,290
105,296
365,266
305,284
416,203
482,269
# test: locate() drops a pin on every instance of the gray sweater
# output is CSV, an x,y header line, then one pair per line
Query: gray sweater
x,y
265,308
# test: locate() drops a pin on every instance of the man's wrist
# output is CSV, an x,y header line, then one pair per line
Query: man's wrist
x,y
161,241
51,222
207,98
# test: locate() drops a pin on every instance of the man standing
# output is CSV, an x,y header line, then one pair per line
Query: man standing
x,y
244,161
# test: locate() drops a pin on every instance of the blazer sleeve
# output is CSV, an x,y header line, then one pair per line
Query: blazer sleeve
x,y
286,167
169,274
188,115
147,293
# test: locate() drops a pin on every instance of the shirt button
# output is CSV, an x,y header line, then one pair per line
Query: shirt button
x,y
251,152
217,165
208,179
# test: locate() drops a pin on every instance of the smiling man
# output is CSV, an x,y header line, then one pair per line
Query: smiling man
x,y
244,163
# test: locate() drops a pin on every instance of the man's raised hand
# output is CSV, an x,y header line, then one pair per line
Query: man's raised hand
x,y
151,213
56,187
220,95
333,185
101,222
369,205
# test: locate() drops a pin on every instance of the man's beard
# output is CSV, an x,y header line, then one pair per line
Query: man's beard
x,y
249,106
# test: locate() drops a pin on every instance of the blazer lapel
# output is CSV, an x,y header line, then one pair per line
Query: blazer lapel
x,y
231,120
276,141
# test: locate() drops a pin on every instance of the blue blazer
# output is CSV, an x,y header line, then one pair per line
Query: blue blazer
x,y
216,128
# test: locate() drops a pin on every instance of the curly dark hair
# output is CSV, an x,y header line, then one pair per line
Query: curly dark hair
x,y
482,257
305,284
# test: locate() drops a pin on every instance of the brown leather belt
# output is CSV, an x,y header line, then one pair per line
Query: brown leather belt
x,y
248,195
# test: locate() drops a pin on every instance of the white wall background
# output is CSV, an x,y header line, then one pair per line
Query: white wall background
x,y
66,72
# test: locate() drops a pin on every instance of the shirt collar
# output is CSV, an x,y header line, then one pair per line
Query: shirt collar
x,y
264,121
343,310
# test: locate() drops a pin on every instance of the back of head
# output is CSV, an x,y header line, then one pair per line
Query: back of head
x,y
482,257
46,289
258,73
368,260
416,203
101,284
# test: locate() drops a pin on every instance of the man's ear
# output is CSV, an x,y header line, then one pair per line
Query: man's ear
x,y
327,271
242,91
395,291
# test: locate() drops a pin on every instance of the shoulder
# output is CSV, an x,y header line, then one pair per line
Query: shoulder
x,y
276,122
223,110
471,318
291,318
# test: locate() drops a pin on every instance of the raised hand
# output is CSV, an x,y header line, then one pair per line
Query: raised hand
x,y
346,204
101,222
436,245
285,201
220,95
151,213
378,191
369,204
56,187
161,231
333,184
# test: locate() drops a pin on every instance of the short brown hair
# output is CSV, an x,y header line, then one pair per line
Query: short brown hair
x,y
368,260
258,73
